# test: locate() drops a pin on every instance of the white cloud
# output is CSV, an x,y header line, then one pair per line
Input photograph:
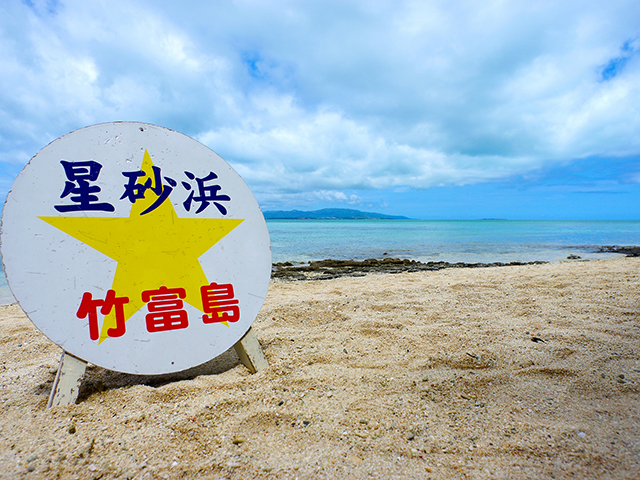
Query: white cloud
x,y
331,96
306,150
306,200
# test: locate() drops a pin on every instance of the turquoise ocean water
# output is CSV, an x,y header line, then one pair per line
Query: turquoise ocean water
x,y
482,241
451,241
5,292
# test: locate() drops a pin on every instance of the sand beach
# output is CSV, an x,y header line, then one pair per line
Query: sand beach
x,y
505,372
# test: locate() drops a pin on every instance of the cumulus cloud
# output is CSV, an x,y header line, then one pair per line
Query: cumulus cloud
x,y
314,99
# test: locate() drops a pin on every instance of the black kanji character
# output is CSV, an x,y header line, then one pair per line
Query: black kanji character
x,y
206,193
135,191
79,174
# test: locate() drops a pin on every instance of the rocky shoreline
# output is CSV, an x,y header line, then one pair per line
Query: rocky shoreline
x,y
627,251
329,268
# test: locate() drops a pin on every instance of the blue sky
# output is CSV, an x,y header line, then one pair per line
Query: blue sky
x,y
429,109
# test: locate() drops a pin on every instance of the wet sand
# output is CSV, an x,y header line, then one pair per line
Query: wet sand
x,y
503,372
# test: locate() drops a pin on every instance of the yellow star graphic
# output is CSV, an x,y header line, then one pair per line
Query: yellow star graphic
x,y
152,250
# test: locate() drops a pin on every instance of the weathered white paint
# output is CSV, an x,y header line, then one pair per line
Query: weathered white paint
x,y
250,352
49,270
66,386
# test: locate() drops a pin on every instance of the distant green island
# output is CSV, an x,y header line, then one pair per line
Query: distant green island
x,y
329,214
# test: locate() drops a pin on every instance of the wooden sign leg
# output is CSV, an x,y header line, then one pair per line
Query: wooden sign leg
x,y
250,352
67,383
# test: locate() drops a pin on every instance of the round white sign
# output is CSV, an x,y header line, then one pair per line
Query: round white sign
x,y
135,248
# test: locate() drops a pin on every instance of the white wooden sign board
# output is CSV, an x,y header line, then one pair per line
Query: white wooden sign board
x,y
136,248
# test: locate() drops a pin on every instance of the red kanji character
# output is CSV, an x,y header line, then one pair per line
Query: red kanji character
x,y
218,300
165,309
89,307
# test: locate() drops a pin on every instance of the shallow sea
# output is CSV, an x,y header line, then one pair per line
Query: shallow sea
x,y
451,241
482,241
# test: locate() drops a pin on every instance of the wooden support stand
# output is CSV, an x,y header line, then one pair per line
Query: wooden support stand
x,y
66,386
250,352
